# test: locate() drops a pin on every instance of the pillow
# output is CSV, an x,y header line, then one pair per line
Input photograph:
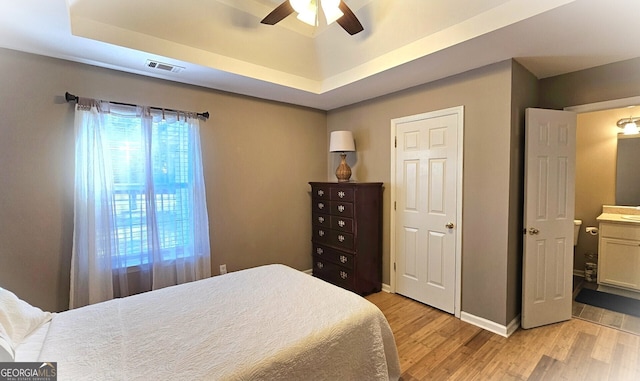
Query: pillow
x,y
18,318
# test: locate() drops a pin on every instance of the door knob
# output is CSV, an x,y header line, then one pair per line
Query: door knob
x,y
533,231
450,225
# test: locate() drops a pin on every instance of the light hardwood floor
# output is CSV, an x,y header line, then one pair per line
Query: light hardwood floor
x,y
433,345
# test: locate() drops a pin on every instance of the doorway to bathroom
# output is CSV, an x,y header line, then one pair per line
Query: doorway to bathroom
x,y
595,181
595,186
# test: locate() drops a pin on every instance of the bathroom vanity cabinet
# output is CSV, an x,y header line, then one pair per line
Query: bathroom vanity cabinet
x,y
619,252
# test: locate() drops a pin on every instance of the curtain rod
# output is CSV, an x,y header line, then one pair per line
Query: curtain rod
x,y
74,98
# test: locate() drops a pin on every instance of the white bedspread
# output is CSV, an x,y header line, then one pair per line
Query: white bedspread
x,y
266,323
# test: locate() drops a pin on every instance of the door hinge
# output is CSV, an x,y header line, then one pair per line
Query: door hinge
x,y
394,266
394,205
395,142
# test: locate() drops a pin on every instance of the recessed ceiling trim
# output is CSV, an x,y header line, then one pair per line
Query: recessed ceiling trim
x,y
575,36
87,28
495,18
486,22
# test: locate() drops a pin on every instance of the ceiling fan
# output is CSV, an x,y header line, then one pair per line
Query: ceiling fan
x,y
334,10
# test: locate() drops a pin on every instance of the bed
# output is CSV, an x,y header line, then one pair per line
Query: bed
x,y
265,323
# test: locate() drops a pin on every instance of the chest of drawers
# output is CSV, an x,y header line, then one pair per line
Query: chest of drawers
x,y
347,234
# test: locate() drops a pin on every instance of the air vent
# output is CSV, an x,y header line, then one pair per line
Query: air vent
x,y
164,66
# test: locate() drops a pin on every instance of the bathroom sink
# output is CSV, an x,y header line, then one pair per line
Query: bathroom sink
x,y
632,217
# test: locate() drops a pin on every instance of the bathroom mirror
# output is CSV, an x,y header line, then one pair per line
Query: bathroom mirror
x,y
627,171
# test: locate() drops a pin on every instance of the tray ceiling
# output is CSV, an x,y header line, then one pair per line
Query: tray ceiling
x,y
221,44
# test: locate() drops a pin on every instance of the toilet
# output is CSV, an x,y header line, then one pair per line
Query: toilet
x,y
576,231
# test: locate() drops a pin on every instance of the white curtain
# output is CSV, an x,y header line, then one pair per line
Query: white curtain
x,y
140,203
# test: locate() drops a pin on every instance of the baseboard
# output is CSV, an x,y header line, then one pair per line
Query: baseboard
x,y
579,273
308,272
491,326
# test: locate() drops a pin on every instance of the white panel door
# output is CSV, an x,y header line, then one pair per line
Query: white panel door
x,y
550,152
426,208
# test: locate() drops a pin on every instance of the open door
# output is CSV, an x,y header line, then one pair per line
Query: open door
x,y
550,155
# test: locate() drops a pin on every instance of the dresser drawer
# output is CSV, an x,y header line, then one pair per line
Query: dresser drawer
x,y
338,257
343,194
321,235
339,208
333,273
342,224
321,220
321,206
341,239
321,192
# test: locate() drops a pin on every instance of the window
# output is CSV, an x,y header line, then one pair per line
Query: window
x,y
137,188
139,201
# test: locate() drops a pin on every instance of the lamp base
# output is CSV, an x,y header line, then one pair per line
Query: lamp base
x,y
343,172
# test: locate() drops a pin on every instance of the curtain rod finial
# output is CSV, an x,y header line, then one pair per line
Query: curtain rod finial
x,y
70,97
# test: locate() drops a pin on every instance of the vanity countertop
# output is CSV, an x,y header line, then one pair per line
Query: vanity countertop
x,y
620,214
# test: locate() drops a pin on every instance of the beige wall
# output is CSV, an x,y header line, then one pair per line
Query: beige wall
x,y
258,158
603,83
524,94
485,94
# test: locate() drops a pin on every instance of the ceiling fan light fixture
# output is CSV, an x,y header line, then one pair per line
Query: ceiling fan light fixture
x,y
331,9
300,6
308,18
306,10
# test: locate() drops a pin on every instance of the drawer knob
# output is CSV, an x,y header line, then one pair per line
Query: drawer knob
x,y
340,238
320,192
341,194
340,208
343,259
341,223
321,233
320,205
321,219
319,265
319,251
343,275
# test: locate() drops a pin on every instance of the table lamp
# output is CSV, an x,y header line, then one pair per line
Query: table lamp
x,y
342,141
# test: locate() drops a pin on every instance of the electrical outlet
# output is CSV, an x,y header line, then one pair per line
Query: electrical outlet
x,y
223,269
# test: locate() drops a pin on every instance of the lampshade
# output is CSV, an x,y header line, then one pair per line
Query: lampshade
x,y
300,6
341,141
331,9
308,10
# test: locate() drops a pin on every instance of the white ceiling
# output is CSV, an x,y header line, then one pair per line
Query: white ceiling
x,y
222,45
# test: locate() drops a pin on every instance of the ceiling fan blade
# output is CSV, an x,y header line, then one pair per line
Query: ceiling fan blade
x,y
283,10
349,21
